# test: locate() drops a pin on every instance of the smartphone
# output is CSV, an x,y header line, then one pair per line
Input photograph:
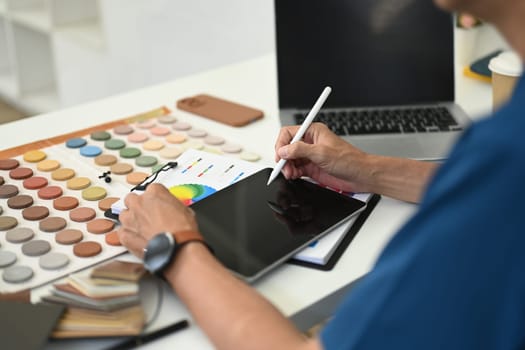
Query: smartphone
x,y
220,110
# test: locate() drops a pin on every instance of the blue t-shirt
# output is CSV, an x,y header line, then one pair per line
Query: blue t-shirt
x,y
454,276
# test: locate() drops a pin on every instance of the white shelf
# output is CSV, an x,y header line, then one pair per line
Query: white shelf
x,y
35,18
88,33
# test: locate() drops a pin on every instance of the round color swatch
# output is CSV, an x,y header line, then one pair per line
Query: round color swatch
x,y
20,202
105,160
170,152
69,236
123,130
214,140
136,178
157,168
137,137
34,156
65,203
197,133
48,165
87,249
75,143
146,124
34,213
94,193
90,151
50,192
114,144
159,131
63,174
100,135
130,152
181,126
36,248
82,214
7,258
20,235
20,173
7,222
106,203
195,144
8,164
8,191
176,138
98,226
52,224
191,193
167,119
17,274
250,156
78,183
35,182
212,150
153,145
121,169
146,161
231,148
112,238
53,261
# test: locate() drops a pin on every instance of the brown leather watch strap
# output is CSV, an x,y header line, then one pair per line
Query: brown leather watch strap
x,y
182,237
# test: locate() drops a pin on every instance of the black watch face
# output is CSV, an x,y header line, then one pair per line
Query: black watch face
x,y
159,252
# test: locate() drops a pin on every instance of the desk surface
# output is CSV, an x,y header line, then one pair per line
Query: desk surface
x,y
291,288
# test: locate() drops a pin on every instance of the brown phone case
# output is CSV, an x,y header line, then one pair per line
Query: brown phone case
x,y
220,110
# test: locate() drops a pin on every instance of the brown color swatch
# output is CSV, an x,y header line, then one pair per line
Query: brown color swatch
x,y
82,214
8,164
65,203
20,202
35,182
52,224
112,239
7,223
106,160
8,191
87,249
106,203
34,213
20,173
69,236
98,226
50,192
121,168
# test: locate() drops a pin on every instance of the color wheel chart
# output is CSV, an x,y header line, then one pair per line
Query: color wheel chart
x,y
191,193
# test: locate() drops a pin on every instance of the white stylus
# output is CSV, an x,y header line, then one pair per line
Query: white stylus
x,y
300,133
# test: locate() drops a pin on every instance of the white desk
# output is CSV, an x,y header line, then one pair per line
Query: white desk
x,y
291,288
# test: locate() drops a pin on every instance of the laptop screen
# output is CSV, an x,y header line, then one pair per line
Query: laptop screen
x,y
371,52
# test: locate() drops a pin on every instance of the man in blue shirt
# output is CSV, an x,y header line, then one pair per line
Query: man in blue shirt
x,y
452,278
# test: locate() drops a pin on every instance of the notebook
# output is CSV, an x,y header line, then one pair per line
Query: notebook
x,y
391,67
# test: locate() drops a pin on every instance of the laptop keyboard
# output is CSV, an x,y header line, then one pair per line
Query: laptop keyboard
x,y
386,121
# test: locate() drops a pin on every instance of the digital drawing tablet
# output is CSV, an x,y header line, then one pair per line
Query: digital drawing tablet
x,y
253,227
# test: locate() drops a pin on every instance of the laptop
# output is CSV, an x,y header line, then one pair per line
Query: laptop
x,y
390,65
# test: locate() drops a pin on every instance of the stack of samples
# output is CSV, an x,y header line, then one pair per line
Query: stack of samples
x,y
102,302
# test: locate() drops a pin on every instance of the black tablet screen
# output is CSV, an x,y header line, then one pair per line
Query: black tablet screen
x,y
253,227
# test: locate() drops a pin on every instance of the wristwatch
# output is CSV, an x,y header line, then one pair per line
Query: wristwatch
x,y
162,249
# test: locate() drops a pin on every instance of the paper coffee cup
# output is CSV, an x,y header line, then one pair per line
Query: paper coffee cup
x,y
506,69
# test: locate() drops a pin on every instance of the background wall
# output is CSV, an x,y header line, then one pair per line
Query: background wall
x,y
64,52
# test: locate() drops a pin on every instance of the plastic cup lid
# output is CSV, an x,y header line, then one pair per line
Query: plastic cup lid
x,y
507,63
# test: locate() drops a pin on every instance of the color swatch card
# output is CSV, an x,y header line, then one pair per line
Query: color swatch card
x,y
197,175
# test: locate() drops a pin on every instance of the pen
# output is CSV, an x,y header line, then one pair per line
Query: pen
x,y
146,338
300,133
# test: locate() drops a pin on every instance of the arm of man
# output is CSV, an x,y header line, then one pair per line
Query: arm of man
x,y
231,313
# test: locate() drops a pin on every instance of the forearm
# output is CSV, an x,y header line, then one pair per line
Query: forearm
x,y
232,314
399,178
